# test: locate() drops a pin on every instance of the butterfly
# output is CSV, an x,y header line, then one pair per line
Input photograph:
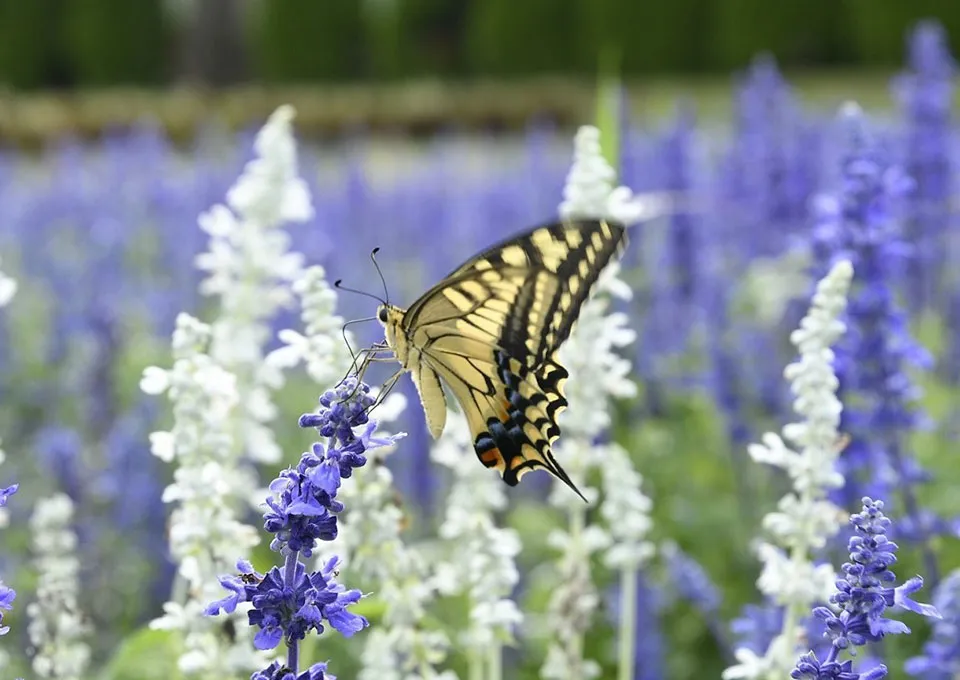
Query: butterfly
x,y
490,331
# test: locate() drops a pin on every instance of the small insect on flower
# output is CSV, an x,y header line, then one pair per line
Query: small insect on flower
x,y
490,330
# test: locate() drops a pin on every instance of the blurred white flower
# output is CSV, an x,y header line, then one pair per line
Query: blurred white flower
x,y
625,509
804,519
8,288
209,488
590,193
770,284
479,558
56,626
269,189
598,374
250,269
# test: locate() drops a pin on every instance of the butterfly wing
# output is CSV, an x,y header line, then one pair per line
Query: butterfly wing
x,y
491,330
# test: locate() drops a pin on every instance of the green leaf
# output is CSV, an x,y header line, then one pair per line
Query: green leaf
x,y
147,655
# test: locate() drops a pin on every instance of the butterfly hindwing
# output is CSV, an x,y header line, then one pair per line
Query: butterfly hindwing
x,y
490,330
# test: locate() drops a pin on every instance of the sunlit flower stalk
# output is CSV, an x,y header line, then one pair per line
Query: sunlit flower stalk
x,y
805,519
206,531
480,557
597,374
250,270
56,625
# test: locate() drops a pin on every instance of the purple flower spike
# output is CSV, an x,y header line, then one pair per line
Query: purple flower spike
x,y
863,595
288,602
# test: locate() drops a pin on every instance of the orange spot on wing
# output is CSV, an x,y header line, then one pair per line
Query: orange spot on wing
x,y
491,457
503,413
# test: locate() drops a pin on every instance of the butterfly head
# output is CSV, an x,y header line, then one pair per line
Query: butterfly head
x,y
391,318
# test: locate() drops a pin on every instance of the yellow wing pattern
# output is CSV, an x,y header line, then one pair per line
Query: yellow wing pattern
x,y
490,331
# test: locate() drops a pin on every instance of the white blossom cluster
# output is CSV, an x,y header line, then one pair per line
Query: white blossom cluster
x,y
479,557
209,489
598,374
590,193
321,347
250,269
804,519
56,625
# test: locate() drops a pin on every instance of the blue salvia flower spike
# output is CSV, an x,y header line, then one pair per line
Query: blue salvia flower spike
x,y
289,602
859,222
863,596
925,93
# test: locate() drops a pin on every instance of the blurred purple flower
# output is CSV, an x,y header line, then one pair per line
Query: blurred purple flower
x,y
941,653
771,168
684,250
858,223
695,586
757,626
7,596
6,492
925,93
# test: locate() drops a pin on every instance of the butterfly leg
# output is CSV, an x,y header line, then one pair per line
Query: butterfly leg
x,y
385,390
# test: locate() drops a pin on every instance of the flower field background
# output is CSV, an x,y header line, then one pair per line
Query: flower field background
x,y
143,439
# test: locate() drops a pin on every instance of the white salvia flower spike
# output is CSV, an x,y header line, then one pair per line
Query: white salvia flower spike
x,y
598,374
804,519
209,492
56,627
251,270
480,557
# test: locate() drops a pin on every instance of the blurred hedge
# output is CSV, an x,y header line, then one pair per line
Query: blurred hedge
x,y
59,43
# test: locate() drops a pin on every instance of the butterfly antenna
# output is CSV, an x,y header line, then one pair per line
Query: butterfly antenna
x,y
339,285
373,256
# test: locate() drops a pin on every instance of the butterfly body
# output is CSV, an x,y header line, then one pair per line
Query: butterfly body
x,y
490,331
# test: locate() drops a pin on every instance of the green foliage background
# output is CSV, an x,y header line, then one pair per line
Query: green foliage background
x,y
78,43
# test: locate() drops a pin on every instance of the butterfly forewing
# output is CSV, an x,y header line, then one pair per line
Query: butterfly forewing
x,y
491,330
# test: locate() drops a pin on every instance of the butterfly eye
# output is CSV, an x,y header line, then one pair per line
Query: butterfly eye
x,y
382,314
